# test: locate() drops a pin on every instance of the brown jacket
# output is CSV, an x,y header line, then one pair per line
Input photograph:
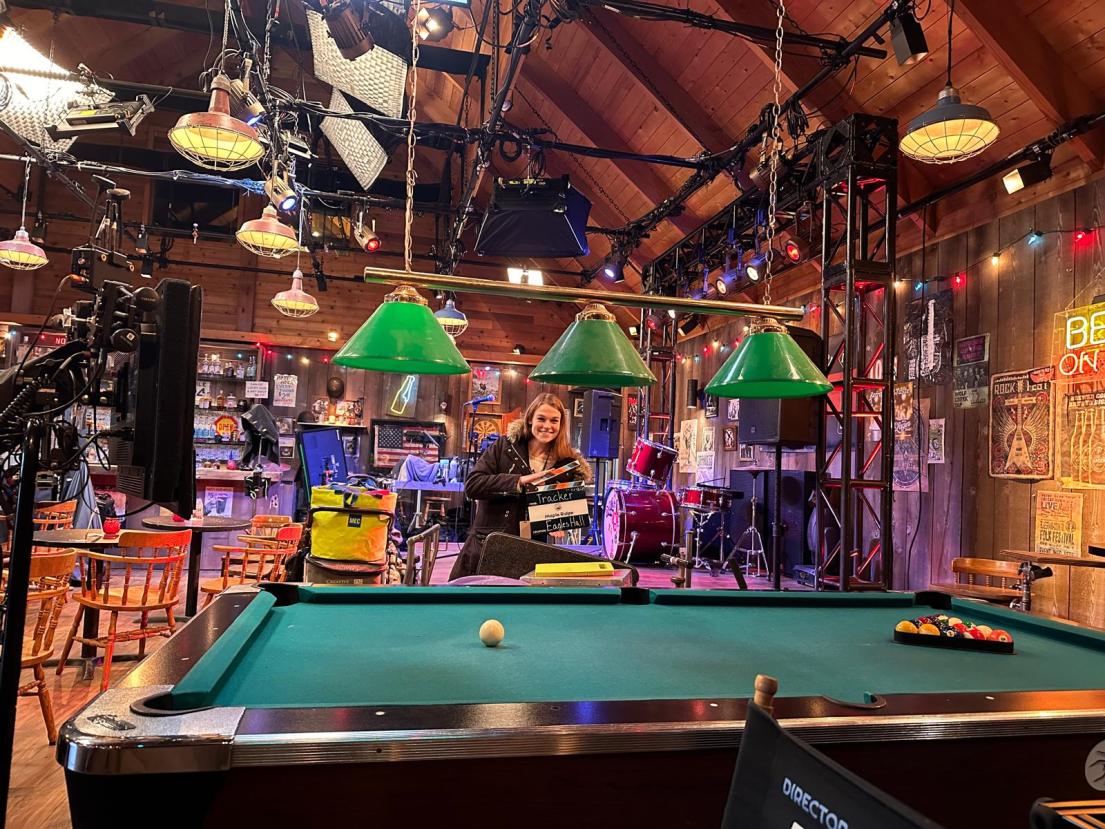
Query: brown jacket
x,y
500,506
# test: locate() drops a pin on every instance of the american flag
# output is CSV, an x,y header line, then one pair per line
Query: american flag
x,y
394,441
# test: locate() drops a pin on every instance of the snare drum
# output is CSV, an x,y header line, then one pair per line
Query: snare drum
x,y
640,524
652,461
705,499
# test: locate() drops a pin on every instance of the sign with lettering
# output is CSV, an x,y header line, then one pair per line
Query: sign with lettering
x,y
1021,424
1058,523
557,507
1078,346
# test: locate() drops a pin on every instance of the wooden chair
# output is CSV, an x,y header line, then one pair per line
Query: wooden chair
x,y
436,506
259,560
46,592
264,526
47,516
142,576
975,579
421,556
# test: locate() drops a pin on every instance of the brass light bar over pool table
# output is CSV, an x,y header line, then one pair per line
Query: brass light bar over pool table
x,y
329,705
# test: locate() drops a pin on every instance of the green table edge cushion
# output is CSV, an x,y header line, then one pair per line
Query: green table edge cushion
x,y
395,594
198,687
787,598
974,610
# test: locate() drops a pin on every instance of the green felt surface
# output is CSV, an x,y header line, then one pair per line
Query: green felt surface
x,y
420,646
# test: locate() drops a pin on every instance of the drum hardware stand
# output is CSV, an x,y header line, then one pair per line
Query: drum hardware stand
x,y
753,548
684,560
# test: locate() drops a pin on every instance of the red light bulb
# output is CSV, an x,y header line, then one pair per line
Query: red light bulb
x,y
793,252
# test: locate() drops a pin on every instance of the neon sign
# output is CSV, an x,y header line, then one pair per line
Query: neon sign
x,y
1080,344
408,391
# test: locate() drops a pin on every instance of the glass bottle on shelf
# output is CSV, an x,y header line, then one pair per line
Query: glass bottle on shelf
x,y
239,370
231,401
220,400
251,368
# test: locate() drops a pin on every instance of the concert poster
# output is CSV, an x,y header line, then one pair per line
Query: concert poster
x,y
972,372
1058,523
910,448
927,339
1021,424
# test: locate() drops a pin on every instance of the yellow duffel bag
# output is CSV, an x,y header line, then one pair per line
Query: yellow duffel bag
x,y
350,523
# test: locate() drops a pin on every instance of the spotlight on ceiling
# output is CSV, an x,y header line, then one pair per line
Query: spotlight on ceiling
x,y
345,21
141,244
755,266
614,268
38,232
633,330
84,118
689,323
147,266
524,276
796,250
654,321
434,24
908,39
519,349
1034,172
280,193
245,102
366,237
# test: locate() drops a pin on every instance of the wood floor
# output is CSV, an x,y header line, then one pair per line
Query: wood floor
x,y
37,799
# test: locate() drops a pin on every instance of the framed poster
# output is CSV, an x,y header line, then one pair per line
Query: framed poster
x,y
910,468
487,380
710,405
927,337
733,409
746,453
1021,424
688,442
971,372
936,440
632,405
284,388
1058,523
729,439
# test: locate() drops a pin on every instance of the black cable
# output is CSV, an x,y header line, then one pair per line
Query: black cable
x,y
920,500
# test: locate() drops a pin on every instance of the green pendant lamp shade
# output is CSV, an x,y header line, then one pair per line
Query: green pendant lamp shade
x,y
593,353
402,337
768,364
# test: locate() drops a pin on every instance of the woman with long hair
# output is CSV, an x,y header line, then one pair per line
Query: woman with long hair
x,y
533,445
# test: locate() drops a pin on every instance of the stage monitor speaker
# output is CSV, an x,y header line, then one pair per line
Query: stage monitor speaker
x,y
542,218
798,488
790,423
601,425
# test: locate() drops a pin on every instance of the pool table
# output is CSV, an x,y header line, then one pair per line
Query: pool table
x,y
344,706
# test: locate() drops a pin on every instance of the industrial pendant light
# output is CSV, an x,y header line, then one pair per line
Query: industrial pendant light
x,y
952,130
768,364
402,337
295,302
19,252
594,353
215,139
452,319
267,236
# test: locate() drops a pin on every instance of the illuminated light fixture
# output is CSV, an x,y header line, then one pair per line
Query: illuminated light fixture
x,y
633,330
768,364
214,139
653,321
365,237
1080,235
995,257
84,118
1034,172
267,236
1035,237
527,276
754,267
434,24
959,280
951,131
722,283
908,39
245,102
332,336
280,193
614,268
20,253
452,319
295,302
594,353
796,250
671,313
142,243
147,266
519,349
402,337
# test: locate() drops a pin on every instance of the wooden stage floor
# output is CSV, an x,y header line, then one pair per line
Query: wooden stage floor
x,y
37,799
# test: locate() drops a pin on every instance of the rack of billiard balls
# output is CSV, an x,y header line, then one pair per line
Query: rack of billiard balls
x,y
942,630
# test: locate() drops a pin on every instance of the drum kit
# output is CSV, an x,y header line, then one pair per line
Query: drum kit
x,y
642,519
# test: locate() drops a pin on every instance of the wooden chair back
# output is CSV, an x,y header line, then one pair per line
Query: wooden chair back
x,y
981,571
261,562
46,591
422,550
55,516
143,574
267,525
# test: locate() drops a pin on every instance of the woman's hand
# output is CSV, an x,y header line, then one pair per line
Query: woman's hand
x,y
531,478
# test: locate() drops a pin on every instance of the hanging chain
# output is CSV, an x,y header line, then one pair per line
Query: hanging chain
x,y
26,191
773,186
408,213
226,35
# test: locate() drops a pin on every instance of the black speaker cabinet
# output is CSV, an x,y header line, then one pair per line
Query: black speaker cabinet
x,y
790,423
798,489
601,425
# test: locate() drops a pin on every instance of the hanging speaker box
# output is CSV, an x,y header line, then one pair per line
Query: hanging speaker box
x,y
540,218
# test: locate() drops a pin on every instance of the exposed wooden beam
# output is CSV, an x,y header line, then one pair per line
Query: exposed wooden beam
x,y
829,102
612,36
1037,69
594,127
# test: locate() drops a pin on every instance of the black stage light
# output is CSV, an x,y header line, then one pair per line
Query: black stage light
x,y
754,268
81,118
38,233
614,269
434,24
142,244
908,39
1034,172
346,24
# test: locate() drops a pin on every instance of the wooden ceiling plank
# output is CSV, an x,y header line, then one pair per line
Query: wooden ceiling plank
x,y
609,33
1037,69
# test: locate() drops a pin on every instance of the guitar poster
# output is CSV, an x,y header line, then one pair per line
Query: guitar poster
x,y
1021,424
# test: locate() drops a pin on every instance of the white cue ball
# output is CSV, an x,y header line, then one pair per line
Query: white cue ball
x,y
492,632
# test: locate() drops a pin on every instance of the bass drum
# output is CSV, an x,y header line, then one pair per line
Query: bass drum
x,y
640,524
